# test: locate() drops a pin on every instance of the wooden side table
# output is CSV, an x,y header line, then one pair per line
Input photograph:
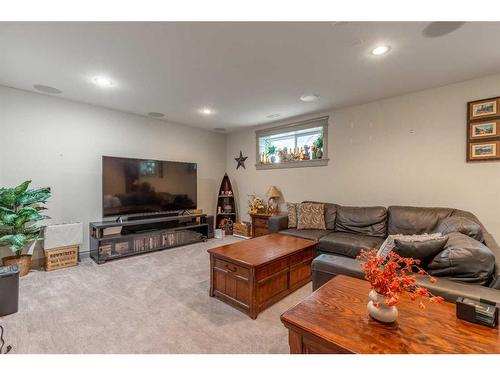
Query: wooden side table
x,y
259,224
334,319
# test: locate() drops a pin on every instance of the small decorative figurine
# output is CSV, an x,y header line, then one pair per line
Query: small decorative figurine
x,y
307,156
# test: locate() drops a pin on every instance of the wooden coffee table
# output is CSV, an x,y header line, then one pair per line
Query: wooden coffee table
x,y
251,275
334,319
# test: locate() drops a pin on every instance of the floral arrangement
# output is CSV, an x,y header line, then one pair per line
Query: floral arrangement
x,y
392,276
255,204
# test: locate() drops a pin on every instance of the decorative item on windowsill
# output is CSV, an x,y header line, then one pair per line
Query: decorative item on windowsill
x,y
390,277
20,209
273,195
255,205
319,147
271,151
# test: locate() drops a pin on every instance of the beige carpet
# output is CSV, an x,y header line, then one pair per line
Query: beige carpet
x,y
154,303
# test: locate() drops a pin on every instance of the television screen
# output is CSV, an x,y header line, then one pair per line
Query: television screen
x,y
132,186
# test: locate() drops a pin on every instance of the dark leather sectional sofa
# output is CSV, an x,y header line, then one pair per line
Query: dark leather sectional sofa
x,y
468,266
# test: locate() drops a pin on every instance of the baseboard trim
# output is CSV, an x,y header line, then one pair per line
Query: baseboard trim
x,y
84,254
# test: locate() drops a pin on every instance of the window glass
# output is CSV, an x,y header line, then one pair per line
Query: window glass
x,y
297,145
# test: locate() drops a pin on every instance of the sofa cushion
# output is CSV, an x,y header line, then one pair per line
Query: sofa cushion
x,y
415,220
370,221
462,225
309,234
423,249
348,244
292,214
311,216
463,259
330,213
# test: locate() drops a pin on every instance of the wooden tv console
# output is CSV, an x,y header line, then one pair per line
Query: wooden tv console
x,y
112,239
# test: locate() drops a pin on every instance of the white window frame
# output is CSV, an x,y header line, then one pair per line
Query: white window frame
x,y
312,123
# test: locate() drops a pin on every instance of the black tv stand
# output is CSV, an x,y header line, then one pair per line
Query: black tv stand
x,y
111,239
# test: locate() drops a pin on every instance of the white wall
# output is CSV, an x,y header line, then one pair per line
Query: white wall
x,y
377,160
59,143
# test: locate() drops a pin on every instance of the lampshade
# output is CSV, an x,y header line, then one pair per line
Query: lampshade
x,y
273,192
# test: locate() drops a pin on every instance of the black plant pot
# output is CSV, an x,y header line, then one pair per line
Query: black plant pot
x,y
9,290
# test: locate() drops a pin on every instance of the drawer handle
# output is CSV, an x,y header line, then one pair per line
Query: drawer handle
x,y
232,269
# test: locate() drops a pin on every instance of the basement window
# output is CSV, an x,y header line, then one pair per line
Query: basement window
x,y
301,144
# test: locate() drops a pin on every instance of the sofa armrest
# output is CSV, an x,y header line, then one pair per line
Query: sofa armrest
x,y
277,223
490,242
451,290
327,266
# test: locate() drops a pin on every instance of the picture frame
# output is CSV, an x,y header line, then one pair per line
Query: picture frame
x,y
484,108
484,129
484,150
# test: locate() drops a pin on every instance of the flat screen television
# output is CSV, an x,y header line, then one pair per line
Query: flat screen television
x,y
142,186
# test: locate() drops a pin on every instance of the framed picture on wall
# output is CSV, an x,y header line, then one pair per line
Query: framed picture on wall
x,y
486,129
485,150
483,129
485,108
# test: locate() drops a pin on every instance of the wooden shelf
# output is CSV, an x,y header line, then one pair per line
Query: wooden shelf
x,y
226,200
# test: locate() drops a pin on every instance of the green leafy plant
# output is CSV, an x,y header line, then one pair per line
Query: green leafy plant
x,y
319,142
270,148
20,209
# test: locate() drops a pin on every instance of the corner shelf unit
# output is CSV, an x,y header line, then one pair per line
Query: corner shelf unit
x,y
226,207
144,235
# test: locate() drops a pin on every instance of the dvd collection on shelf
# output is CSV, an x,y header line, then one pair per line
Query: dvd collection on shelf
x,y
148,242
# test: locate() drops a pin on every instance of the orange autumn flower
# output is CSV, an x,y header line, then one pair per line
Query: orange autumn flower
x,y
393,276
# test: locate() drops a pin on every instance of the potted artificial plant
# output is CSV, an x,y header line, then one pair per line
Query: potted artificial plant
x,y
19,211
271,150
318,143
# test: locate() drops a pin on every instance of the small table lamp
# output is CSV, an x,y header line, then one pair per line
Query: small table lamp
x,y
272,203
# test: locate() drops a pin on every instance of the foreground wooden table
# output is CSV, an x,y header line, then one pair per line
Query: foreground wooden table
x,y
252,275
334,319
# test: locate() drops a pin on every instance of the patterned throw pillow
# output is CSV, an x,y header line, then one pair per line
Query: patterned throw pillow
x,y
311,216
292,214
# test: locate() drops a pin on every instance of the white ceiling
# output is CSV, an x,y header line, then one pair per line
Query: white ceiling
x,y
244,71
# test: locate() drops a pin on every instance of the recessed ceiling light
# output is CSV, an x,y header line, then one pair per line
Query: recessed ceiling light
x,y
274,115
156,114
103,81
381,50
309,98
206,111
47,89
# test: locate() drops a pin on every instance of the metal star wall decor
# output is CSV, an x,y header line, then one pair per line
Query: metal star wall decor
x,y
241,160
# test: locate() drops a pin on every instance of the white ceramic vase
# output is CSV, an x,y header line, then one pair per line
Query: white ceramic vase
x,y
382,312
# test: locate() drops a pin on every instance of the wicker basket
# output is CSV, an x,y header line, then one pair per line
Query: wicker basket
x,y
242,230
61,257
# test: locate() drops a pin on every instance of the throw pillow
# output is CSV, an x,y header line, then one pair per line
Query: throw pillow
x,y
292,214
330,213
311,216
461,225
422,247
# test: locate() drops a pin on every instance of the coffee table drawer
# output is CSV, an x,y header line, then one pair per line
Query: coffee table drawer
x,y
268,270
232,268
